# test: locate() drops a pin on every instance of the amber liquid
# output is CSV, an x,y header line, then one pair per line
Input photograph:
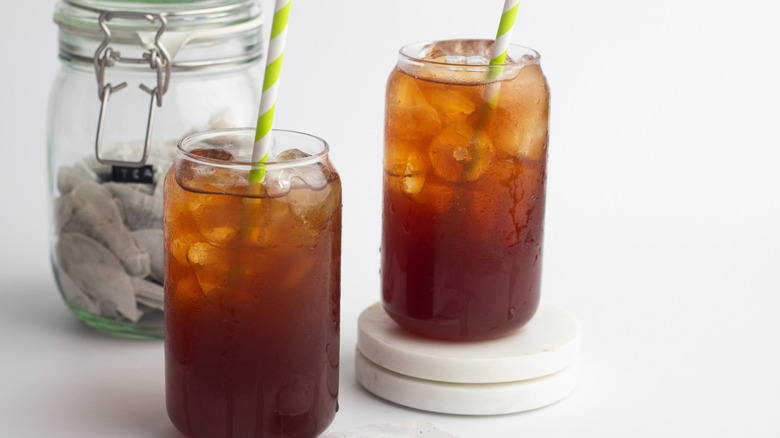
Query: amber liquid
x,y
464,199
251,312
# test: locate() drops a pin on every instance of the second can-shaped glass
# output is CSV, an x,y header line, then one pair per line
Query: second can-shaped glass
x,y
252,287
464,190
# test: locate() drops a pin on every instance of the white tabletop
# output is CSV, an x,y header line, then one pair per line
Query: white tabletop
x,y
662,231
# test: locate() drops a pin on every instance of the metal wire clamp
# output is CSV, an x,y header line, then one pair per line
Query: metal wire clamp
x,y
158,60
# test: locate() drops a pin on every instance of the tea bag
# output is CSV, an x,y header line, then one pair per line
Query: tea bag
x,y
147,293
151,241
123,222
99,274
91,210
142,211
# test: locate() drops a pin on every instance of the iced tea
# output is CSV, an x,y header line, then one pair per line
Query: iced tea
x,y
252,288
464,190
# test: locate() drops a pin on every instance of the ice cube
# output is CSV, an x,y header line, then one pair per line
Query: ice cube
x,y
263,221
412,184
291,154
276,183
461,153
210,264
413,177
214,154
314,176
455,59
465,60
521,134
436,194
214,216
397,151
408,115
453,104
465,48
314,208
218,222
454,52
207,178
477,60
526,60
178,248
519,125
409,172
279,181
224,276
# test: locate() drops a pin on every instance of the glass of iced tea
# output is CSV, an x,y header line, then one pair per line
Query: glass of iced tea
x,y
464,190
252,287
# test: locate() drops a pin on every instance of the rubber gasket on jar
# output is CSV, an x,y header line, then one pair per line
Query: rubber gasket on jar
x,y
465,398
549,343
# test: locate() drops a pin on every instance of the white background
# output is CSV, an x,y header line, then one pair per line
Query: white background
x,y
663,219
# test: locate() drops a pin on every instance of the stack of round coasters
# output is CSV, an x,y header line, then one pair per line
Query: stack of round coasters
x,y
534,367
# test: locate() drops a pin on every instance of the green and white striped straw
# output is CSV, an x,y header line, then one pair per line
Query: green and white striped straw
x,y
500,47
273,68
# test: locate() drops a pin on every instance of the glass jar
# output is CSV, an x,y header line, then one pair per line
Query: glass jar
x,y
136,77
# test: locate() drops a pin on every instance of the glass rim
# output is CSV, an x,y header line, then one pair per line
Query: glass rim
x,y
225,18
248,165
171,9
402,53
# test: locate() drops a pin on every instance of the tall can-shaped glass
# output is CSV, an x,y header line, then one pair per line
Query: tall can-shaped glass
x,y
252,287
464,189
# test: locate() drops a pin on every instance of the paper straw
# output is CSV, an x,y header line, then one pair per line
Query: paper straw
x,y
273,68
500,47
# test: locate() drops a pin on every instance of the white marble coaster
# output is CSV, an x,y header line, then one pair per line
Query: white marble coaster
x,y
534,367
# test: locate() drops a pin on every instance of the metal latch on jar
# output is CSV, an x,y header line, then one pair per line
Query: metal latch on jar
x,y
158,60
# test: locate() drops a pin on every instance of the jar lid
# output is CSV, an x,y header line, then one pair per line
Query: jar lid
x,y
213,31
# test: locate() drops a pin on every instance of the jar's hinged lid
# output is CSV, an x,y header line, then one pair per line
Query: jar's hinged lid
x,y
212,31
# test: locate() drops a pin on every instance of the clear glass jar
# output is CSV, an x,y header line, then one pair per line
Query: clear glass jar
x,y
136,77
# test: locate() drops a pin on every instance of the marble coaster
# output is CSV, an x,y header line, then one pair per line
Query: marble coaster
x,y
534,367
